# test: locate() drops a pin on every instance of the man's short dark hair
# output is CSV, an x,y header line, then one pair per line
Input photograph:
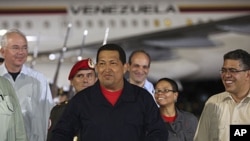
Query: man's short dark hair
x,y
113,47
241,55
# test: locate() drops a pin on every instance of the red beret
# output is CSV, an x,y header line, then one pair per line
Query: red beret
x,y
85,64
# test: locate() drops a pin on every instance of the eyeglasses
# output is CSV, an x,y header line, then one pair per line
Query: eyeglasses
x,y
231,71
157,91
17,49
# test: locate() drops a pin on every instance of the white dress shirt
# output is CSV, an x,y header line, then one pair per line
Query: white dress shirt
x,y
219,113
34,95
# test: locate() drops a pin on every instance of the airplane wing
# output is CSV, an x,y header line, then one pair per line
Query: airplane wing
x,y
161,44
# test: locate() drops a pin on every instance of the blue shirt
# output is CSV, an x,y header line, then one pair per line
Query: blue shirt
x,y
149,87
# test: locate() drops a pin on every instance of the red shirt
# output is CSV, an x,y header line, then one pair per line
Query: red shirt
x,y
169,119
112,97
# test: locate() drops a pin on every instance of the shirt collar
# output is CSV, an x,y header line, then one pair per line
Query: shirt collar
x,y
24,69
229,97
146,84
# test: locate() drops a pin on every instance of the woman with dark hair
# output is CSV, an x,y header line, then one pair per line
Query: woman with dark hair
x,y
181,125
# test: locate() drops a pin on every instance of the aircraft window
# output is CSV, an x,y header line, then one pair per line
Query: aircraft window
x,y
112,23
134,23
101,23
17,24
89,24
78,24
46,24
65,24
167,22
5,24
29,24
156,23
123,23
189,21
145,23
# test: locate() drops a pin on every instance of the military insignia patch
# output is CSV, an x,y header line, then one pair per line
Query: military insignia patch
x,y
91,63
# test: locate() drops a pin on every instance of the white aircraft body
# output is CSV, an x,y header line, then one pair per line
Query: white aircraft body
x,y
186,39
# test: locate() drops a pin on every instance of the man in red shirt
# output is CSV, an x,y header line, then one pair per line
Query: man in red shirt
x,y
112,109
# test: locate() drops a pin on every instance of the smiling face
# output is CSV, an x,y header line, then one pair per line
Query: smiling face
x,y
138,69
110,70
235,82
164,94
15,52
